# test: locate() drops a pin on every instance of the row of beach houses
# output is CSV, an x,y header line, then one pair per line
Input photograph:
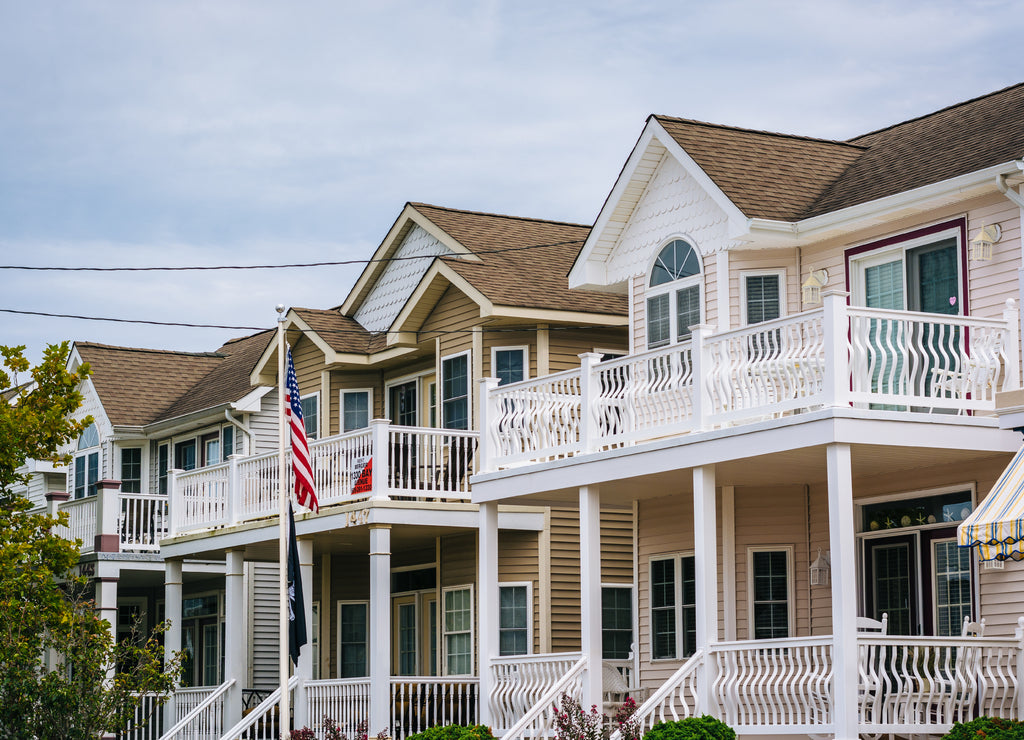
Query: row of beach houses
x,y
710,452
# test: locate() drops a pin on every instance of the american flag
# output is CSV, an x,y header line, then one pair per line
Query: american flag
x,y
304,490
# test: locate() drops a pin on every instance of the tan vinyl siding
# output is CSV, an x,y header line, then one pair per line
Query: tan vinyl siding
x,y
518,562
453,316
616,567
758,261
309,361
458,559
341,381
567,346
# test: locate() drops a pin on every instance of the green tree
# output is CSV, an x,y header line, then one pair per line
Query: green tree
x,y
43,605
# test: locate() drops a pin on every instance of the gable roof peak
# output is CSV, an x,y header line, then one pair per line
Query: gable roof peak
x,y
463,211
760,132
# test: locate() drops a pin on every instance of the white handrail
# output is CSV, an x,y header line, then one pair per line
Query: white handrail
x,y
259,712
546,703
202,706
684,678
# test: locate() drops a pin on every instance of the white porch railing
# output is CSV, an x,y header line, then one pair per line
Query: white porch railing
x,y
407,462
81,521
674,700
344,700
538,720
262,722
419,703
925,684
768,685
519,683
833,356
147,720
143,521
200,712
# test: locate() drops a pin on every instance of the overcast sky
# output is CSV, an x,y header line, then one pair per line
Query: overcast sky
x,y
202,132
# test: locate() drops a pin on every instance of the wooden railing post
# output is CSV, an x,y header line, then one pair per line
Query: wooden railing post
x,y
108,509
836,325
380,455
234,492
589,392
701,359
1011,315
488,417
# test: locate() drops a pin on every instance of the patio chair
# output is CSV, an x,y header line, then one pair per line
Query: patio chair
x,y
615,688
867,624
973,629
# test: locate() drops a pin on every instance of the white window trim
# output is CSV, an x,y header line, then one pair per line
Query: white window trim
x,y
677,601
341,405
469,388
319,414
790,587
85,454
472,629
671,288
523,348
369,632
403,380
744,274
143,448
859,263
529,612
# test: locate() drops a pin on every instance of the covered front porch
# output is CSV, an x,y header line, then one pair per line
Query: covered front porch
x,y
733,621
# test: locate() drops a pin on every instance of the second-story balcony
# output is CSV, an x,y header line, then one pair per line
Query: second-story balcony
x,y
115,520
382,462
834,356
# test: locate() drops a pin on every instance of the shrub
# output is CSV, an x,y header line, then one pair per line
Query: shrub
x,y
691,728
455,732
986,728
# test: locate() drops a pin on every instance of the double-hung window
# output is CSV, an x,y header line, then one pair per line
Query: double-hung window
x,y
87,463
770,599
353,634
514,619
131,469
458,631
163,464
762,295
355,409
673,294
616,622
673,607
455,392
311,414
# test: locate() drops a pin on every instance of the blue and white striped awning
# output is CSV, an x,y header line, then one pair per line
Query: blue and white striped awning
x,y
996,527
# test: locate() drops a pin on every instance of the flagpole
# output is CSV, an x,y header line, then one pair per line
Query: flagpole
x,y
282,474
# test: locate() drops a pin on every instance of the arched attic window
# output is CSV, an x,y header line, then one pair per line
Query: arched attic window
x,y
673,294
86,472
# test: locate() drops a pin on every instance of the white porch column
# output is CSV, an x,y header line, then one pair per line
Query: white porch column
x,y
705,561
304,669
106,608
590,592
380,623
236,638
380,431
729,561
844,600
488,640
172,638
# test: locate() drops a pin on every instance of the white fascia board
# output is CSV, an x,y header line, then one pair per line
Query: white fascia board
x,y
544,315
260,375
252,401
193,420
344,360
582,275
438,270
773,233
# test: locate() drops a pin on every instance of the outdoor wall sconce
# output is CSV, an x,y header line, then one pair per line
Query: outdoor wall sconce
x,y
811,289
981,244
821,569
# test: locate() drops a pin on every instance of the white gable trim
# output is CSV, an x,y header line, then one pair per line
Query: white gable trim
x,y
589,269
392,241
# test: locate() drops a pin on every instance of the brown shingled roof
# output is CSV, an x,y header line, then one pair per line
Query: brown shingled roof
x,y
533,277
789,178
143,386
342,333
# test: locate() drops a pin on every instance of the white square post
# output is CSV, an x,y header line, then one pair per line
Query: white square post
x,y
705,561
236,638
844,590
380,624
590,593
488,595
172,638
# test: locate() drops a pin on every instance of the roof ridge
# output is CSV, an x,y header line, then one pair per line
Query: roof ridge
x,y
936,112
180,353
499,215
760,132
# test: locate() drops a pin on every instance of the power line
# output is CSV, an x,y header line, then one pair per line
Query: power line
x,y
130,321
334,263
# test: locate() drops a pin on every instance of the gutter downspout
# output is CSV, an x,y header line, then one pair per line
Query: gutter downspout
x,y
244,427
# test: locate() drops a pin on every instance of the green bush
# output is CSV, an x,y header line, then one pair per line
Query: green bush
x,y
986,728
691,728
455,732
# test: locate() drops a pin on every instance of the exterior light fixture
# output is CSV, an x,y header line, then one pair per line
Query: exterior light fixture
x,y
821,569
811,289
981,244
